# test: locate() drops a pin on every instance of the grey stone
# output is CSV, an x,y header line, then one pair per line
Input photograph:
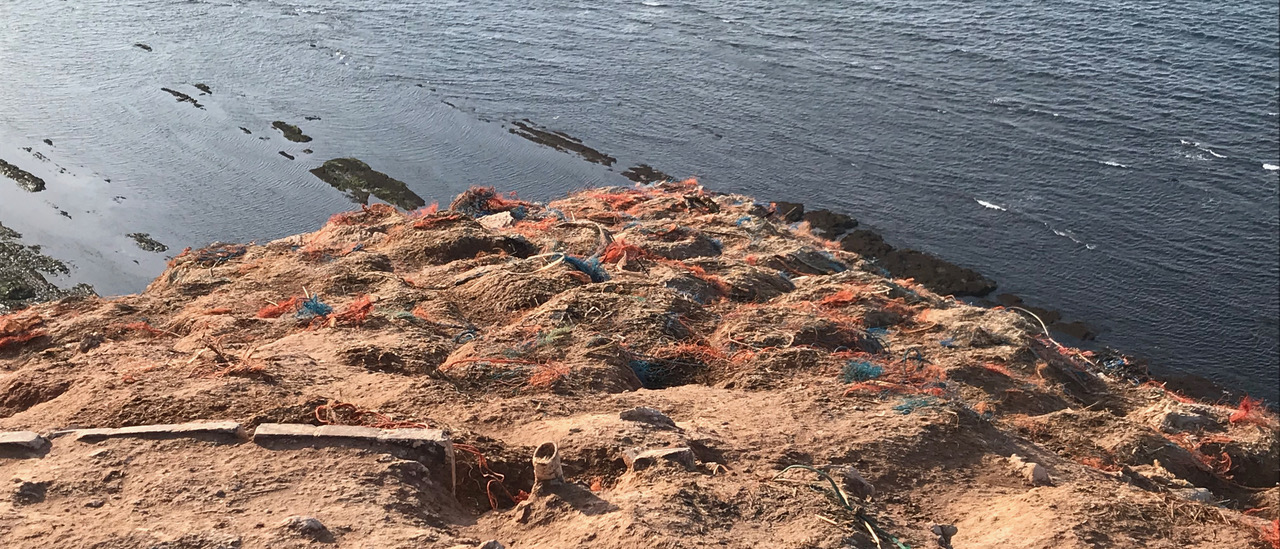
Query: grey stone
x,y
1197,494
651,416
497,221
30,492
226,429
492,544
310,527
639,460
22,440
852,483
1032,472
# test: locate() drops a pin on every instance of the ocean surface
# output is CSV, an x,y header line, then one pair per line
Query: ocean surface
x,y
1114,160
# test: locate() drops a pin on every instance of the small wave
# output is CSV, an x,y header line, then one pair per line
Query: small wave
x,y
1113,164
1270,167
1201,147
653,4
1072,237
986,204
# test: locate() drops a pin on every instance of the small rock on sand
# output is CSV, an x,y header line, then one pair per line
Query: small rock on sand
x,y
30,492
499,220
1033,473
852,483
310,527
651,416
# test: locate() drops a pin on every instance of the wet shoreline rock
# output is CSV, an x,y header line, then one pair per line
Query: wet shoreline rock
x,y
789,212
828,224
357,180
21,281
22,177
934,273
291,132
1052,319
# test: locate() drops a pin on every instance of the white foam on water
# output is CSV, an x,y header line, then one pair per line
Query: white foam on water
x,y
1113,164
1201,147
1270,167
986,204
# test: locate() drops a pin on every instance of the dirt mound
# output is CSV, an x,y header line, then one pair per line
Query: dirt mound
x,y
792,394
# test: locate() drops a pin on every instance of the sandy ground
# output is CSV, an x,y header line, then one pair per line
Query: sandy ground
x,y
511,324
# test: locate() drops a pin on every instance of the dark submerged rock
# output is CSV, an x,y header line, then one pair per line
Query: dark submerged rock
x,y
646,174
286,155
142,46
183,98
560,141
357,180
144,241
204,88
291,132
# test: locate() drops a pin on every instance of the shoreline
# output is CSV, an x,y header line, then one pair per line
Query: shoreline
x,y
667,318
26,286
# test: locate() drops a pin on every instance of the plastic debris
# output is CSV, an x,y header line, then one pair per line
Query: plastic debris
x,y
590,266
911,404
856,371
276,310
313,307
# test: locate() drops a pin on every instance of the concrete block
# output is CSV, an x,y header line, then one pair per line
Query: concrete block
x,y
199,429
282,431
431,445
21,440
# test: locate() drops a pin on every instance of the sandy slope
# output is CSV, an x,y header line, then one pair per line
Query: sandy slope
x,y
766,346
